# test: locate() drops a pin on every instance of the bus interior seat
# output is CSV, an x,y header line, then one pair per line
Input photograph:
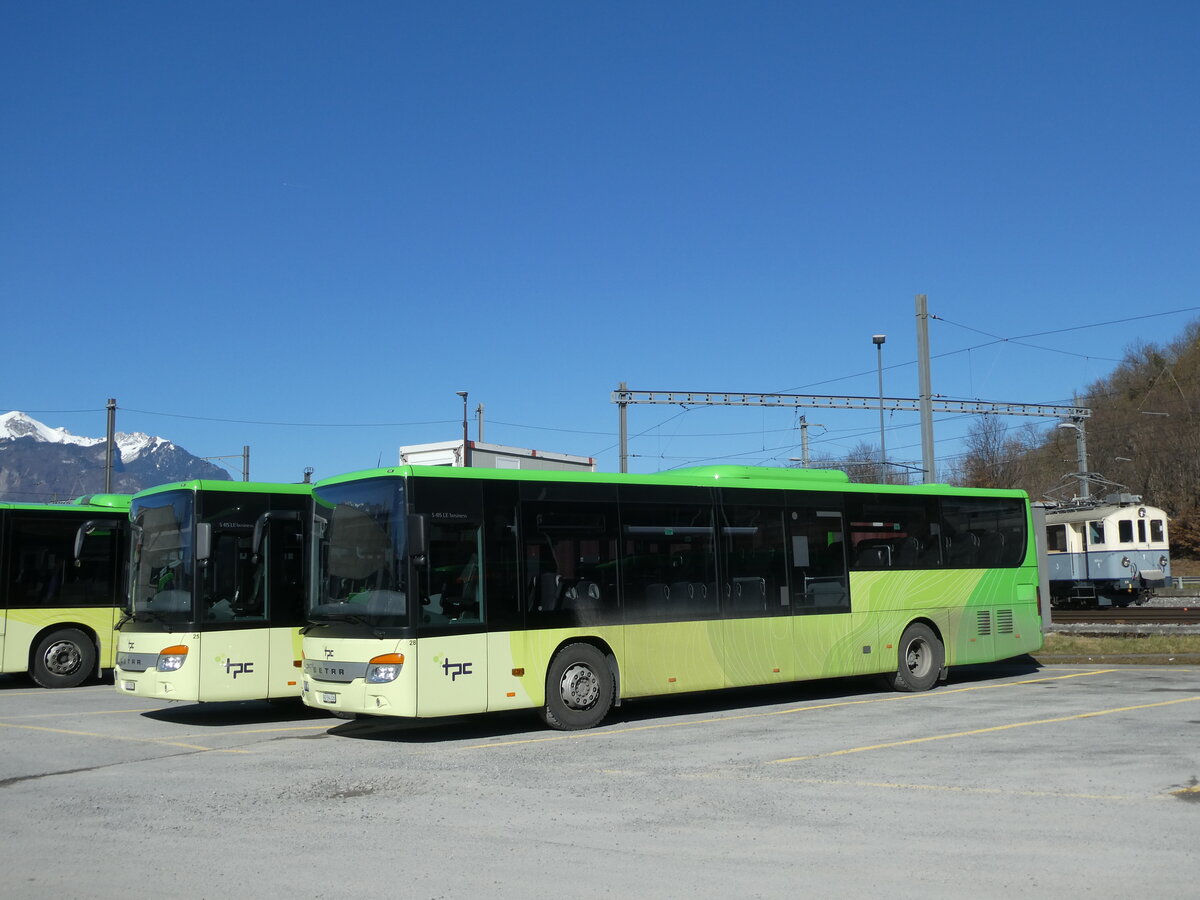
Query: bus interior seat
x,y
907,551
964,549
873,553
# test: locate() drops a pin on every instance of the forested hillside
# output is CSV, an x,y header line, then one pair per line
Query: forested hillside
x,y
1143,437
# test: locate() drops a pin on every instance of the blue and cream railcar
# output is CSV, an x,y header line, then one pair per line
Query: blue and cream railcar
x,y
1110,552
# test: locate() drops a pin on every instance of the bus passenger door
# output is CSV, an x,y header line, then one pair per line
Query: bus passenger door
x,y
754,595
452,647
828,636
235,641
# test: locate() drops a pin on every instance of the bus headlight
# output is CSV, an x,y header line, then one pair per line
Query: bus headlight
x,y
172,658
384,669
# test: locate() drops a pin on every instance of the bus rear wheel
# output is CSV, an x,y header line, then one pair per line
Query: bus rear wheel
x,y
63,659
921,657
579,688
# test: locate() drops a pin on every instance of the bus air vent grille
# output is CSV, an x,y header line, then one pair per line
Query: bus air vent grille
x,y
1004,621
985,622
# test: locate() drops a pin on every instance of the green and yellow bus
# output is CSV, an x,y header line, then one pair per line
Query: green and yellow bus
x,y
58,608
443,591
216,592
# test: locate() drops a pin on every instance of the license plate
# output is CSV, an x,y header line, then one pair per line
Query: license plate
x,y
129,685
328,698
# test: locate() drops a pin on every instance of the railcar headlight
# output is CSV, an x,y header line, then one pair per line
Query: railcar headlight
x,y
1125,561
1162,562
172,658
384,669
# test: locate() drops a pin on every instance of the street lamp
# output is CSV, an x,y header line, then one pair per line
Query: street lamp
x,y
463,394
878,340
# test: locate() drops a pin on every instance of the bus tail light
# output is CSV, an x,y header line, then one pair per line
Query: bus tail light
x,y
171,659
384,669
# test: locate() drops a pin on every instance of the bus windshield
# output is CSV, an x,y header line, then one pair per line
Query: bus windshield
x,y
163,558
362,565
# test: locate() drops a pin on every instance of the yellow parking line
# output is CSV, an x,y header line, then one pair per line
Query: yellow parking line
x,y
276,730
965,789
958,734
114,737
608,732
75,715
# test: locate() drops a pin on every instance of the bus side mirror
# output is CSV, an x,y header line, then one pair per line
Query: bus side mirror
x,y
418,536
92,526
203,540
260,525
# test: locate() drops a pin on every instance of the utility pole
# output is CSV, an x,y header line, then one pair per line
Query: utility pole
x,y
925,390
878,340
110,445
1081,459
622,401
244,456
479,423
804,457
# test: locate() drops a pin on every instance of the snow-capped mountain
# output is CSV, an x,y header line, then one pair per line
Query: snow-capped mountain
x,y
17,424
39,462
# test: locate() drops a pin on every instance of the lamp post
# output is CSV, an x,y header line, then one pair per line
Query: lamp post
x,y
465,457
878,340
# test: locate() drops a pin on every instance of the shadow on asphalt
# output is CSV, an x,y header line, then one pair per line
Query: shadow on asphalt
x,y
657,710
237,712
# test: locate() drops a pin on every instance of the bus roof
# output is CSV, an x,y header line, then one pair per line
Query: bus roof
x,y
118,503
232,487
697,476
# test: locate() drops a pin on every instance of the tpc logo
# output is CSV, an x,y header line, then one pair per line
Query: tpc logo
x,y
243,668
456,669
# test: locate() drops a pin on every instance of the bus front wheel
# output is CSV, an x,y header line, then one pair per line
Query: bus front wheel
x,y
579,688
921,657
63,659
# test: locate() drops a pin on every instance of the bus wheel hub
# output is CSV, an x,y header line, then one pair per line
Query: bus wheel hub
x,y
62,658
580,688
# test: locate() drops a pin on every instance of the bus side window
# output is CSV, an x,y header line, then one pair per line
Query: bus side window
x,y
986,531
669,564
818,557
40,571
455,592
755,565
570,564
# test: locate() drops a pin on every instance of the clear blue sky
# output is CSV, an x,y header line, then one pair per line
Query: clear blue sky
x,y
303,226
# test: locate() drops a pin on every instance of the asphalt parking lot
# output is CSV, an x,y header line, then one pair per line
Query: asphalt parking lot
x,y
1066,780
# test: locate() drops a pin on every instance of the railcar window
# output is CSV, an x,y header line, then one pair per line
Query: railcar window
x,y
1157,531
1125,531
1056,538
1095,532
1141,531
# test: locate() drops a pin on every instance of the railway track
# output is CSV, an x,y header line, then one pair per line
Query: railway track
x,y
1130,615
